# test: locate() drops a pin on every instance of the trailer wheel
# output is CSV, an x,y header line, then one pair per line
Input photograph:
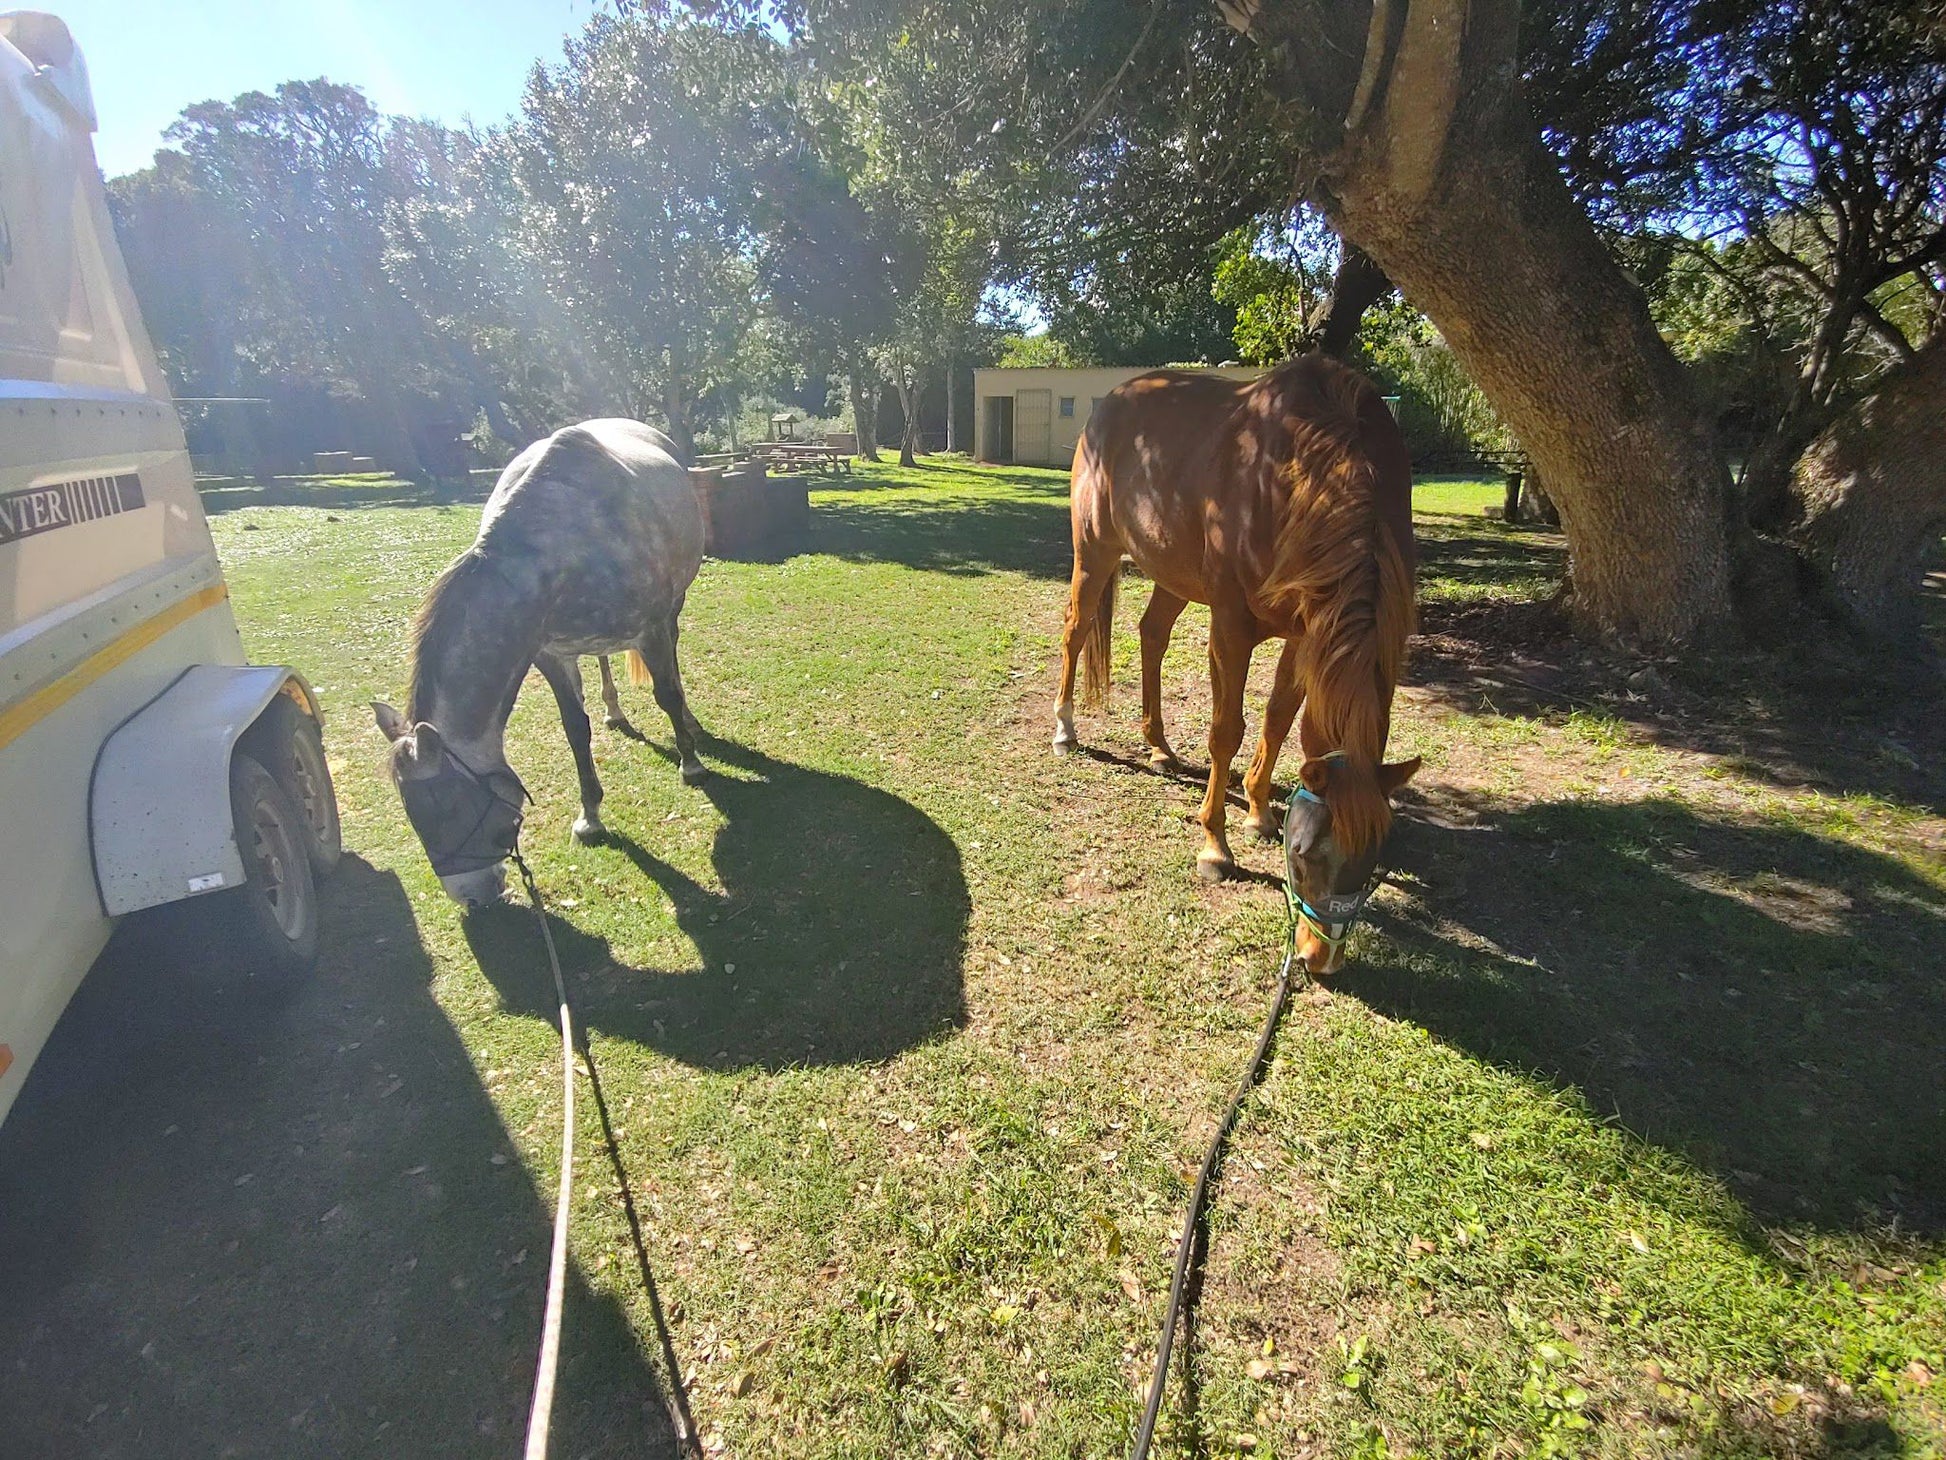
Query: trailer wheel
x,y
288,743
272,920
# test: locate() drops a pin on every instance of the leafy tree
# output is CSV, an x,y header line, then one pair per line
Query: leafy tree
x,y
272,207
1482,158
630,160
1035,352
453,234
1276,278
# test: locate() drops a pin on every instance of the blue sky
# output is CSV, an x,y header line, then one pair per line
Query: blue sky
x,y
148,59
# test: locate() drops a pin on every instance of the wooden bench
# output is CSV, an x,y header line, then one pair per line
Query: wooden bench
x,y
817,455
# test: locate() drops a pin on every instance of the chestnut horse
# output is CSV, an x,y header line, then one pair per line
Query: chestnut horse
x,y
1284,503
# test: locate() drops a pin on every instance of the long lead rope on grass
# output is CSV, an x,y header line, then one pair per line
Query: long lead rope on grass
x,y
1159,1380
547,1369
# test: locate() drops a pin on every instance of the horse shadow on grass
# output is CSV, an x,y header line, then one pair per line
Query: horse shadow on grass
x,y
838,936
1761,999
233,1225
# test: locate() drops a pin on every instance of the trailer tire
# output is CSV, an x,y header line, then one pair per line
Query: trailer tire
x,y
271,922
288,743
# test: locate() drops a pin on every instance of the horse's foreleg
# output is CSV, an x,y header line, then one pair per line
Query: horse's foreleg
x,y
1285,693
609,698
563,676
1158,622
1231,638
1086,601
658,651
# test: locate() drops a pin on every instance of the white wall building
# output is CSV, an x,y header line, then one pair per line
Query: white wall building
x,y
1034,417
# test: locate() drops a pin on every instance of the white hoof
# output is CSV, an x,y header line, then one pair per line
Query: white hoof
x,y
588,830
1064,737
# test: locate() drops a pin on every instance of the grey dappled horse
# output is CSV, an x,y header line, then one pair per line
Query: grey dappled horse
x,y
587,546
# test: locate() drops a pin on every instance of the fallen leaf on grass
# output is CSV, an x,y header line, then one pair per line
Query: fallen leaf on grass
x,y
1259,1368
740,1385
1638,1241
1132,1285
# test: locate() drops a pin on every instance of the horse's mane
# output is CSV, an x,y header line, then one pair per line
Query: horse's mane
x,y
1338,569
435,622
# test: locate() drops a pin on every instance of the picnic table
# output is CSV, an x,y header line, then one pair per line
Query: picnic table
x,y
817,455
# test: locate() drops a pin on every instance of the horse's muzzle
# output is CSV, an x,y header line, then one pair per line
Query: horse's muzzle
x,y
481,888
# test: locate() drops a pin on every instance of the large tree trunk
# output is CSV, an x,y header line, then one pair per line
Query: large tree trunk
x,y
1425,156
864,385
909,437
952,425
1359,284
679,412
1871,497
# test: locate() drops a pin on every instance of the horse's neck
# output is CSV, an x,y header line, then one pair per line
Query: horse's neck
x,y
472,659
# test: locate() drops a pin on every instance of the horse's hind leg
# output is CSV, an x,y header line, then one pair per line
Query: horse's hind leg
x,y
609,698
1285,694
658,651
563,676
1158,622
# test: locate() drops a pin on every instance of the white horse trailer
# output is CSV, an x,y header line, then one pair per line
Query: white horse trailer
x,y
143,763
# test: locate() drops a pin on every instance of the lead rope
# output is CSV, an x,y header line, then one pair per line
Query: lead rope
x,y
540,1416
1185,1248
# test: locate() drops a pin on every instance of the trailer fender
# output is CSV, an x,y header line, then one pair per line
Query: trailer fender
x,y
159,802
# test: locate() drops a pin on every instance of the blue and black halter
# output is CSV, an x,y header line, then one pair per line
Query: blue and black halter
x,y
1330,924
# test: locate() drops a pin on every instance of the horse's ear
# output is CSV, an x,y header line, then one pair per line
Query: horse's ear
x,y
431,745
391,724
1395,775
1315,774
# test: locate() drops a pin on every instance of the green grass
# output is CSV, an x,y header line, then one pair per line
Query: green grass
x,y
1622,1136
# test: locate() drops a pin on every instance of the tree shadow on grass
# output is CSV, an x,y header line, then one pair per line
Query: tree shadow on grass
x,y
954,535
1762,999
337,495
236,1227
1826,712
839,935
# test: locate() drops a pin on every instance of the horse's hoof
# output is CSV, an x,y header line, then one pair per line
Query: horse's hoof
x,y
1164,762
695,775
1211,867
588,830
1064,737
619,722
1265,828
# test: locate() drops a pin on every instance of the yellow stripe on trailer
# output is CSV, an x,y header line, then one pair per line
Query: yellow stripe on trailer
x,y
17,720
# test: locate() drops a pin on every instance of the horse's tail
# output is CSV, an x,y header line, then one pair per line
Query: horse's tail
x,y
1094,649
638,669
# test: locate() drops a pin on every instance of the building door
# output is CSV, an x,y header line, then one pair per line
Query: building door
x,y
999,434
1034,427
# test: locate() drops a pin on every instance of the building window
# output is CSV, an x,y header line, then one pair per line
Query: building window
x,y
1067,405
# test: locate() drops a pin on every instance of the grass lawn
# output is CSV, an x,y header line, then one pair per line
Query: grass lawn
x,y
1622,1135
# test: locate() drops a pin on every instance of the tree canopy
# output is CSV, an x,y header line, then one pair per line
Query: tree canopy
x,y
1676,243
